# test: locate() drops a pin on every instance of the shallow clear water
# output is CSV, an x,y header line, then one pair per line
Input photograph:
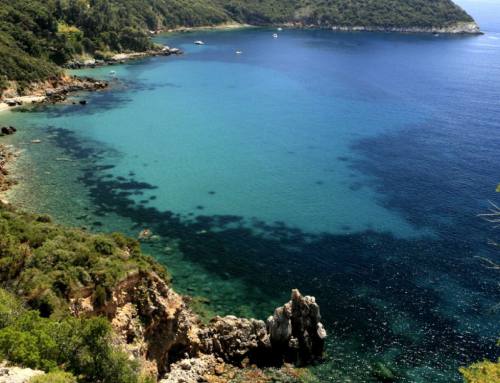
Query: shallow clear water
x,y
351,166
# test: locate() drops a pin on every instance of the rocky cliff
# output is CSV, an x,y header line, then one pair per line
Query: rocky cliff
x,y
156,327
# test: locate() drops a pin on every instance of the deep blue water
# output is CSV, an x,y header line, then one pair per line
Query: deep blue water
x,y
351,166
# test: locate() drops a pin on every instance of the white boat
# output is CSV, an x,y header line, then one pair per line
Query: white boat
x,y
280,29
275,35
199,42
239,52
112,72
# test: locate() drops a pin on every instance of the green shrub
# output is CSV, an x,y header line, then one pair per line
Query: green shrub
x,y
48,264
81,346
54,377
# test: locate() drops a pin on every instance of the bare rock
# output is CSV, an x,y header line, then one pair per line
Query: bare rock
x,y
11,374
191,370
151,321
235,339
293,334
296,330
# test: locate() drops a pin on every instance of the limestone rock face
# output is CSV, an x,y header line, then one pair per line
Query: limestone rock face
x,y
235,339
10,374
192,370
151,321
155,326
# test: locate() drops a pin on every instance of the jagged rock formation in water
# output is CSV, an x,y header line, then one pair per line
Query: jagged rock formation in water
x,y
296,330
294,333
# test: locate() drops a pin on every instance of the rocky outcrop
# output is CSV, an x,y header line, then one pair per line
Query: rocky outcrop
x,y
193,370
237,340
121,58
53,90
152,322
7,130
294,333
155,326
7,155
12,374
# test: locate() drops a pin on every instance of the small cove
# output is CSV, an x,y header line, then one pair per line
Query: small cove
x,y
348,165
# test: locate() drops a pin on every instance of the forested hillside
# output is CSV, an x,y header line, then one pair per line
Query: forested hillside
x,y
383,13
38,35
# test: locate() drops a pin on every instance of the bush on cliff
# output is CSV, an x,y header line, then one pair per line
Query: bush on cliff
x,y
54,377
80,346
49,264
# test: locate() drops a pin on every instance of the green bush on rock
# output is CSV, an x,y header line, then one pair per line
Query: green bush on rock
x,y
49,264
81,346
54,377
46,265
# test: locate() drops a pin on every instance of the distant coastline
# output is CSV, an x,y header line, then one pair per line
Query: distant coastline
x,y
471,28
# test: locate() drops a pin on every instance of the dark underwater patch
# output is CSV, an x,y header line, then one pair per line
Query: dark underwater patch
x,y
362,281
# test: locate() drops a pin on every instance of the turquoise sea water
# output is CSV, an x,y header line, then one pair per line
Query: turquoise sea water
x,y
351,166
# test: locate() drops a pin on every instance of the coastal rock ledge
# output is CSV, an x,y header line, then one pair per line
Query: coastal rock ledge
x,y
156,327
458,28
467,28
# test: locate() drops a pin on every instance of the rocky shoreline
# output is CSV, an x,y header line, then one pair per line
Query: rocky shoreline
x,y
157,328
51,91
122,58
7,155
463,28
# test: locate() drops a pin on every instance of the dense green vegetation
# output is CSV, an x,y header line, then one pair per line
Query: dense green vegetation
x,y
47,264
380,13
37,35
83,347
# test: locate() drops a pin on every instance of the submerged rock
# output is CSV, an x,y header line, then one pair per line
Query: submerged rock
x,y
7,130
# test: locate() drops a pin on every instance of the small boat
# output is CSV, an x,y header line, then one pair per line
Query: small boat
x,y
275,35
239,52
280,29
199,42
112,72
